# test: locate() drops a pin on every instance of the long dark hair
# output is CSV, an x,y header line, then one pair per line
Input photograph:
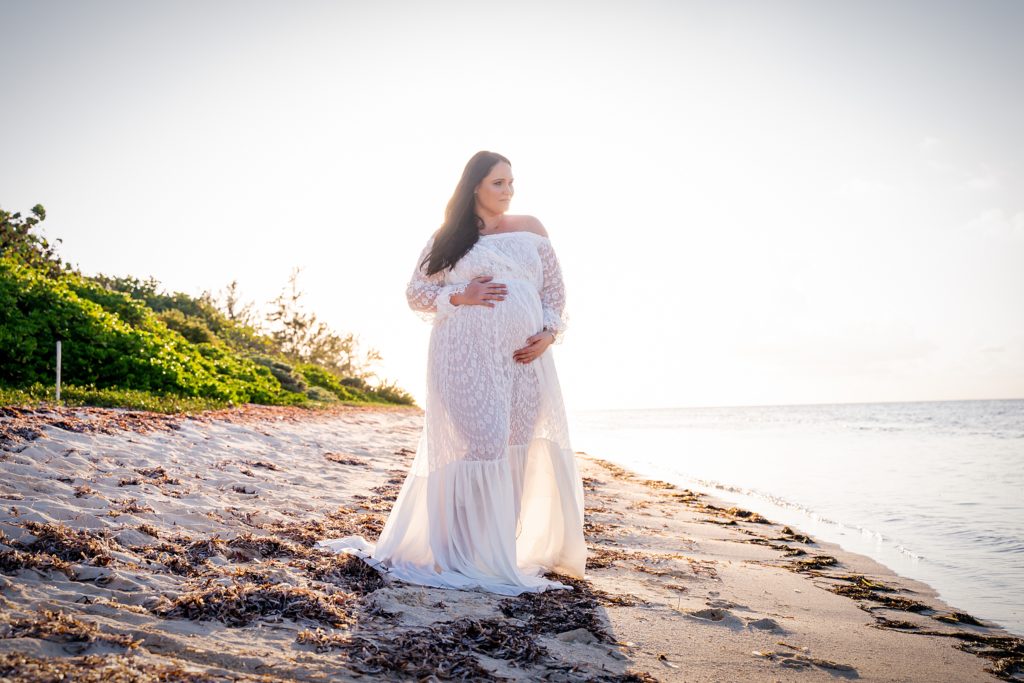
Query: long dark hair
x,y
461,227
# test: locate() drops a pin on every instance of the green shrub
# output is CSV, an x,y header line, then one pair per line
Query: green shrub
x,y
284,373
111,398
127,343
319,377
355,383
102,348
321,394
389,392
190,327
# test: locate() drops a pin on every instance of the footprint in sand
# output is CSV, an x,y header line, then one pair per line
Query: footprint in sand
x,y
766,624
716,615
724,604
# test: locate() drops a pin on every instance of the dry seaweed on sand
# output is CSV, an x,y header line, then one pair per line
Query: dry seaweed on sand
x,y
686,496
731,514
895,624
16,667
365,524
377,505
416,658
346,459
1005,652
858,587
149,530
200,550
59,627
157,475
865,582
171,554
72,545
601,558
127,506
786,550
703,568
242,604
387,491
335,524
592,528
746,515
859,592
959,618
262,463
628,677
558,611
12,561
813,562
20,425
187,556
446,650
249,546
348,571
83,490
791,536
615,470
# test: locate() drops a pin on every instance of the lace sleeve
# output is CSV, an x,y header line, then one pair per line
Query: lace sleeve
x,y
429,296
552,292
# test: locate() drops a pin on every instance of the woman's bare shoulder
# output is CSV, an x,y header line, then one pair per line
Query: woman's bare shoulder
x,y
525,223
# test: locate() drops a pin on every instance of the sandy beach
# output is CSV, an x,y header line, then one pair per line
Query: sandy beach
x,y
142,547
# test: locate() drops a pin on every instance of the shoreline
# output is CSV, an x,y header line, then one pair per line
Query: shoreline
x,y
185,541
853,539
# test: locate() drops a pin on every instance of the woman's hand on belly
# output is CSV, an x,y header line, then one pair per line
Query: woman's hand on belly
x,y
535,346
481,292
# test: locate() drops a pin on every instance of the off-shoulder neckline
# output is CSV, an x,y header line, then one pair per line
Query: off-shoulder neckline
x,y
514,232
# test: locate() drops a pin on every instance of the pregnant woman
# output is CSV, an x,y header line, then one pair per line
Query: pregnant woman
x,y
493,499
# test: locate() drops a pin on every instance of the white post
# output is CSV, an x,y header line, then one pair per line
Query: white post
x,y
58,371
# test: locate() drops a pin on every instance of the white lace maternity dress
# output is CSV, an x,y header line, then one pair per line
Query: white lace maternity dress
x,y
494,498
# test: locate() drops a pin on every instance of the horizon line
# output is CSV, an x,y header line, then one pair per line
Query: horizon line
x,y
797,405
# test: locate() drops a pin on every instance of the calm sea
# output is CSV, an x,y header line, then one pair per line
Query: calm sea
x,y
933,490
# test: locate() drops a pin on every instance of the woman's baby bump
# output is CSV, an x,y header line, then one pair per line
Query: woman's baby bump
x,y
513,319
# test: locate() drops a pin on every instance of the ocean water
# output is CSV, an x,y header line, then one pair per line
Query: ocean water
x,y
933,490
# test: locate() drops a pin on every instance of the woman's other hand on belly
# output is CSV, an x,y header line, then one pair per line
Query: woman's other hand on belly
x,y
535,346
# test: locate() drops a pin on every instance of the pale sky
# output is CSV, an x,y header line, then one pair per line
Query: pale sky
x,y
753,202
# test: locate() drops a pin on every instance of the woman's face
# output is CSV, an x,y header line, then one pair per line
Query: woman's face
x,y
494,192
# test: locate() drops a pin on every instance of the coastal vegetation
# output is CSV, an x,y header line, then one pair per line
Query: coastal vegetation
x,y
127,342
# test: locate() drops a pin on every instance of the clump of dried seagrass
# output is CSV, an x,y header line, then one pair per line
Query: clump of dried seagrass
x,y
71,545
13,560
445,650
16,667
60,627
346,459
340,522
347,571
557,611
242,604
